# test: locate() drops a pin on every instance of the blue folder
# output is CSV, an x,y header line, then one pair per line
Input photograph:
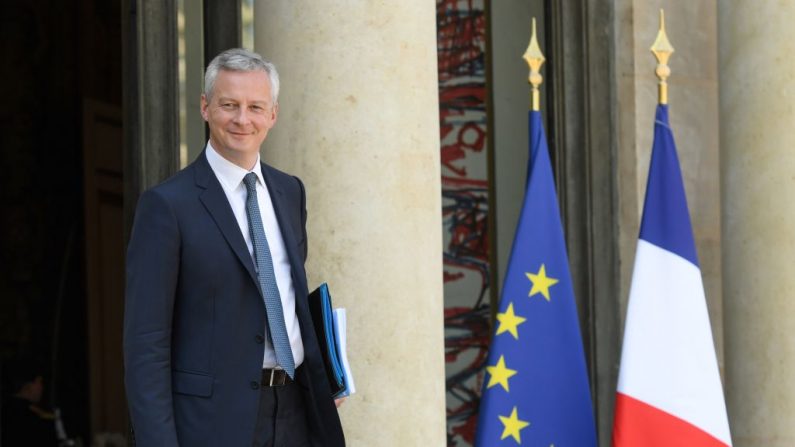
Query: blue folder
x,y
323,321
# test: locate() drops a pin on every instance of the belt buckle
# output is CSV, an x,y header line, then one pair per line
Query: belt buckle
x,y
278,377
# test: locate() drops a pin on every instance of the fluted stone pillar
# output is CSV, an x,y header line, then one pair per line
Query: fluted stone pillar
x,y
358,122
758,183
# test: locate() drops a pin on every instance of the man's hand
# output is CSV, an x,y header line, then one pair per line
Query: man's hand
x,y
338,402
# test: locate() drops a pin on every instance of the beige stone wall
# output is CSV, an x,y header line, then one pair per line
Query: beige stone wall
x,y
758,161
693,106
359,123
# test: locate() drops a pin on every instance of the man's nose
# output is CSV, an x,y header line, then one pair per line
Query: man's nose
x,y
241,117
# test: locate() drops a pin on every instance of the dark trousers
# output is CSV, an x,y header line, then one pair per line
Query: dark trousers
x,y
281,421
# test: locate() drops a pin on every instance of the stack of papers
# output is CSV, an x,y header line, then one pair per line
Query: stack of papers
x,y
340,327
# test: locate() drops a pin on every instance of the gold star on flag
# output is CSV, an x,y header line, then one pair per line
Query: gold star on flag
x,y
499,374
509,321
541,282
513,425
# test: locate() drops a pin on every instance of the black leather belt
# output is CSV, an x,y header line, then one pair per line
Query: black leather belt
x,y
275,377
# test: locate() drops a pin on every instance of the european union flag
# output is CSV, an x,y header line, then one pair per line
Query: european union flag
x,y
536,390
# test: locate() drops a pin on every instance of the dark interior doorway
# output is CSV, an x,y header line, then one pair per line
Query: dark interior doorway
x,y
61,231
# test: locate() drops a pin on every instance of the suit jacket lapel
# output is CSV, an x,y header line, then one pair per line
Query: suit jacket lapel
x,y
281,208
216,203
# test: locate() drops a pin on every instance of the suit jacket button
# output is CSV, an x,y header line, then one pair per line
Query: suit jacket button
x,y
259,339
254,385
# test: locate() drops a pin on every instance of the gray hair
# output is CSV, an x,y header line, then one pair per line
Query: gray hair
x,y
240,59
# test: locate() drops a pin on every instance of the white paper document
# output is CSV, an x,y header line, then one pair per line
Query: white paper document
x,y
340,326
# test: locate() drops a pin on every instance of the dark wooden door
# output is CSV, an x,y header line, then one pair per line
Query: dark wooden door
x,y
104,224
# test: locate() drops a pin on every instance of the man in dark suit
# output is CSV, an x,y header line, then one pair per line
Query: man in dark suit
x,y
219,347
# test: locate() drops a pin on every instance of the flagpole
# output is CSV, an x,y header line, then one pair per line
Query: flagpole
x,y
662,50
534,59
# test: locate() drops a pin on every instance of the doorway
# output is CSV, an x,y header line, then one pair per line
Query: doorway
x,y
61,59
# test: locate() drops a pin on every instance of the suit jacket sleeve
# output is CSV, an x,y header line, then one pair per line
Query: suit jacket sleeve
x,y
152,273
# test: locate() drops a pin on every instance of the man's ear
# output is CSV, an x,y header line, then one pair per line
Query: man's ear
x,y
275,112
204,105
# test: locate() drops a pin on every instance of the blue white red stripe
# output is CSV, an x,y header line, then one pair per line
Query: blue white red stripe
x,y
669,388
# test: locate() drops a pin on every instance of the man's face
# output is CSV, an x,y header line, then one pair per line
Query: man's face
x,y
240,113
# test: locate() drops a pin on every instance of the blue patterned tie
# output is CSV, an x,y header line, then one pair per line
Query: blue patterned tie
x,y
267,279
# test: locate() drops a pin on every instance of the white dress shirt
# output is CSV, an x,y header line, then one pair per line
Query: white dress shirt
x,y
231,176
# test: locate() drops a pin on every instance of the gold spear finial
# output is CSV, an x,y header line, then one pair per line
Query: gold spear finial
x,y
662,50
534,59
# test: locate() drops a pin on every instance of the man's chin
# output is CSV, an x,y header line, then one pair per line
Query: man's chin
x,y
232,152
241,146
244,145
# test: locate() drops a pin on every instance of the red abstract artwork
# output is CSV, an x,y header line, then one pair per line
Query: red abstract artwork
x,y
461,44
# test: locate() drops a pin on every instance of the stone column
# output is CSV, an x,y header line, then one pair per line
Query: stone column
x,y
359,123
758,161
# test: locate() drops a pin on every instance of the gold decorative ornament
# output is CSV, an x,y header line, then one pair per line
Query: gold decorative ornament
x,y
534,59
662,50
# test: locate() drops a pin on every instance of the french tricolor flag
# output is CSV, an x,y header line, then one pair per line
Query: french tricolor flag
x,y
669,389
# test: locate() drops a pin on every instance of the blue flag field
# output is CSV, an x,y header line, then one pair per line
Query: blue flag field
x,y
535,391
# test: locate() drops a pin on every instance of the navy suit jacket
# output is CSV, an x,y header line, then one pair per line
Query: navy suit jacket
x,y
194,316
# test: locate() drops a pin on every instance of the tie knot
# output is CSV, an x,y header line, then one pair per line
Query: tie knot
x,y
251,181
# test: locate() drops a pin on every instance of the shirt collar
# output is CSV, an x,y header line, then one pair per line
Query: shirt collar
x,y
228,173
